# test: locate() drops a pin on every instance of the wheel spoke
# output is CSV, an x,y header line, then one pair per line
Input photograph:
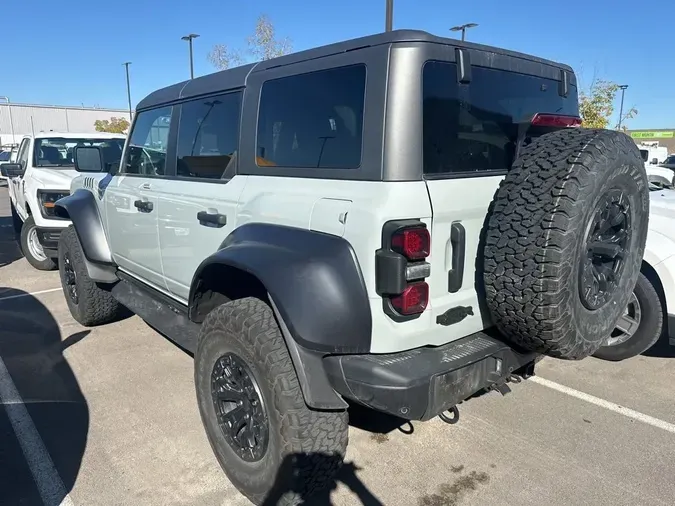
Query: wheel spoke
x,y
627,325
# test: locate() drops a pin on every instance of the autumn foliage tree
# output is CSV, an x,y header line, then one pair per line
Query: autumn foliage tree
x,y
114,125
263,44
596,105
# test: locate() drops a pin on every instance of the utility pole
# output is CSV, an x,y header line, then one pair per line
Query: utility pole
x,y
622,87
462,28
126,65
389,18
11,123
189,38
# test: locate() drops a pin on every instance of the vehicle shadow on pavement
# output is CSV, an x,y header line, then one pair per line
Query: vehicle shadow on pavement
x,y
49,397
9,245
297,463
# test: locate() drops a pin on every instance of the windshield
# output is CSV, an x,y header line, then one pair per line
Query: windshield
x,y
58,151
475,127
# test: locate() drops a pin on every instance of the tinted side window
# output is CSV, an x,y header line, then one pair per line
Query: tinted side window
x,y
208,133
313,120
148,141
474,127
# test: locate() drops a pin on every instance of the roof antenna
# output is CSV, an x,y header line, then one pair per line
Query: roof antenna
x,y
389,19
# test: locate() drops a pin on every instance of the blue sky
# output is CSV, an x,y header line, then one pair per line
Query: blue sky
x,y
71,52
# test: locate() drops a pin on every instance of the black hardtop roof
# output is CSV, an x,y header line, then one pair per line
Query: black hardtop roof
x,y
236,77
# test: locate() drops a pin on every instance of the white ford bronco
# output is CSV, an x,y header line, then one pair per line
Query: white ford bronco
x,y
41,175
399,221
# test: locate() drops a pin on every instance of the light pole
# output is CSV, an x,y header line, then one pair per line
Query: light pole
x,y
126,65
189,40
622,87
389,19
462,28
11,123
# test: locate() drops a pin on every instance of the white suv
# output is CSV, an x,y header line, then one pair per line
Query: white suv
x,y
399,221
40,175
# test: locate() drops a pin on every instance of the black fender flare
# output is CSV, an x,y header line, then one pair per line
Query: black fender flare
x,y
80,207
313,278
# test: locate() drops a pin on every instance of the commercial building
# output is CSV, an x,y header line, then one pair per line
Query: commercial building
x,y
17,120
665,137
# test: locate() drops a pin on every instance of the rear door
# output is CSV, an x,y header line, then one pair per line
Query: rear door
x,y
197,207
470,135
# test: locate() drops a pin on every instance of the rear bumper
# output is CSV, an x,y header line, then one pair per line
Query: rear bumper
x,y
671,329
422,383
49,239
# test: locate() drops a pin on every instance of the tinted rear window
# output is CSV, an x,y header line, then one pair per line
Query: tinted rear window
x,y
473,127
313,120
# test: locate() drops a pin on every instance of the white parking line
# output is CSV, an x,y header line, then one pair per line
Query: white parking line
x,y
630,413
32,293
52,490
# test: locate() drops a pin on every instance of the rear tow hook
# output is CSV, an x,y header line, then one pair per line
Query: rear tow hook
x,y
453,418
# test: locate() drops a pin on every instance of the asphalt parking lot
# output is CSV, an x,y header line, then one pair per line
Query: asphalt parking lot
x,y
108,416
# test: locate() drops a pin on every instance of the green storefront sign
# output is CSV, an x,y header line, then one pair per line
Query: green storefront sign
x,y
653,135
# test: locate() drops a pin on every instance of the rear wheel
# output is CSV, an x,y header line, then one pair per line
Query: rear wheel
x,y
32,249
89,303
640,326
271,446
565,241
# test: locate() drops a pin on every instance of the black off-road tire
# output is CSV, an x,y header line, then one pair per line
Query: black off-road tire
x,y
94,304
649,331
43,264
16,219
305,448
538,237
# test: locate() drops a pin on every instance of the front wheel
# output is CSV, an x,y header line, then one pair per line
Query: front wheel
x,y
640,326
32,249
272,447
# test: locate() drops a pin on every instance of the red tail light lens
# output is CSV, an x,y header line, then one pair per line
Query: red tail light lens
x,y
413,243
556,120
413,300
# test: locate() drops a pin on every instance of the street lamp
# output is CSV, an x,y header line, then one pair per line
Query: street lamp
x,y
462,28
126,65
389,19
622,87
189,40
11,123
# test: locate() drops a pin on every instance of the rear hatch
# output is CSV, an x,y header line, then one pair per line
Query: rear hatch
x,y
471,134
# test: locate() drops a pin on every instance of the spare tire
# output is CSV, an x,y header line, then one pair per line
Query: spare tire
x,y
565,239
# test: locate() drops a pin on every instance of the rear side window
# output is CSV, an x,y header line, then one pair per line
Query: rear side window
x,y
148,141
207,137
313,120
471,128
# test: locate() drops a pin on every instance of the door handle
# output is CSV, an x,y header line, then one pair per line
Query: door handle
x,y
143,205
208,219
458,242
145,186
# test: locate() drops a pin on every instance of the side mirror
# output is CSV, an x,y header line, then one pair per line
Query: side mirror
x,y
11,170
655,161
88,159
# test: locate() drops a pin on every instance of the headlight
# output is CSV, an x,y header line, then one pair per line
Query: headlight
x,y
48,200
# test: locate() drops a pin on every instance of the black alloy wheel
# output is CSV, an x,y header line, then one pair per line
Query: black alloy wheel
x,y
606,244
70,278
240,408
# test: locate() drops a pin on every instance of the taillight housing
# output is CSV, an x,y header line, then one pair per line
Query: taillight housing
x,y
413,243
401,269
556,120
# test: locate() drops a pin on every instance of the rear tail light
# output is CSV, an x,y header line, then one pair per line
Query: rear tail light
x,y
401,268
412,243
413,300
556,120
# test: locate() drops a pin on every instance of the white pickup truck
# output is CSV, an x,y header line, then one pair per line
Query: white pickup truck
x,y
40,175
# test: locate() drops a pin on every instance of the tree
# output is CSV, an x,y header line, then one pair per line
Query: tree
x,y
263,44
596,105
114,125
